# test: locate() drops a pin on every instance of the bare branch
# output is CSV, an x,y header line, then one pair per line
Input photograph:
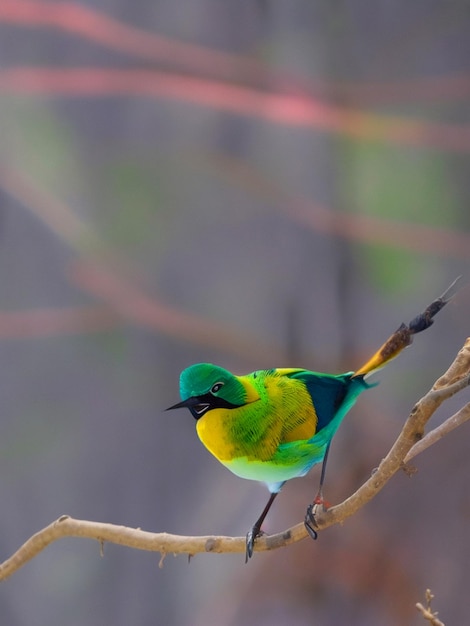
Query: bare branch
x,y
136,538
459,368
456,372
409,443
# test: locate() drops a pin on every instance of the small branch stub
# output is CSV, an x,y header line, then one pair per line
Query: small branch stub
x,y
426,611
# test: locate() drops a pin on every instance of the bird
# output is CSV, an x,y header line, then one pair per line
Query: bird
x,y
274,425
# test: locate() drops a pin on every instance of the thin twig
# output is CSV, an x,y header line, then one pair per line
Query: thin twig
x,y
435,435
427,612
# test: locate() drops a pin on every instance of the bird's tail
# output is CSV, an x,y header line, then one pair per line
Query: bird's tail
x,y
403,336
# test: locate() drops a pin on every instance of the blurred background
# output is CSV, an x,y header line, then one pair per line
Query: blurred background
x,y
256,184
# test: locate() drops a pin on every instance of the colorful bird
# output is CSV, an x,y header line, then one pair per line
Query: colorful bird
x,y
274,425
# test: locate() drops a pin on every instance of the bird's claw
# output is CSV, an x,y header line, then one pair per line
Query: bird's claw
x,y
310,521
251,536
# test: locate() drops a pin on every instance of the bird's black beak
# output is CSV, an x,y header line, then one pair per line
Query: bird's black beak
x,y
198,406
180,405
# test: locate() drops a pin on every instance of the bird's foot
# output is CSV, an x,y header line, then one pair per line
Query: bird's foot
x,y
310,522
251,536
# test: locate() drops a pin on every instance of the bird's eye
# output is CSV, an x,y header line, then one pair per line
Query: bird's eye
x,y
217,387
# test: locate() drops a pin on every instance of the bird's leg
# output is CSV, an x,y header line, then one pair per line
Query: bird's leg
x,y
255,531
309,520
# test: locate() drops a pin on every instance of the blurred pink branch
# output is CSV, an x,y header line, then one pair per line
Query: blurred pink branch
x,y
77,19
101,273
279,108
429,89
55,214
109,32
380,231
355,226
49,322
106,275
295,108
133,304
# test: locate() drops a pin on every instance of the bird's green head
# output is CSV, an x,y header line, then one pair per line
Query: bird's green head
x,y
204,386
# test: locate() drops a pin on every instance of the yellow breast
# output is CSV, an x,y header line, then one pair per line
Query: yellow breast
x,y
282,413
214,431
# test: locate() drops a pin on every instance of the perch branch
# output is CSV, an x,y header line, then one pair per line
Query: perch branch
x,y
408,444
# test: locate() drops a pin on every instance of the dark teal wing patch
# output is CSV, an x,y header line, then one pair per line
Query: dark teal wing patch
x,y
327,392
